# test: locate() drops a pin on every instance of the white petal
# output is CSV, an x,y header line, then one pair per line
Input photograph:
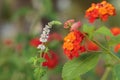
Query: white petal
x,y
41,46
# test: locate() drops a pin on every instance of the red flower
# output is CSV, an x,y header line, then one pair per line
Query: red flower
x,y
91,46
117,48
51,60
35,42
72,44
115,31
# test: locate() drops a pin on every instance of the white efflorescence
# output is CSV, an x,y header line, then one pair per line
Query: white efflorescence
x,y
44,36
41,46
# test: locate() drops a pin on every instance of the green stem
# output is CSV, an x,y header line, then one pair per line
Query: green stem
x,y
104,77
109,52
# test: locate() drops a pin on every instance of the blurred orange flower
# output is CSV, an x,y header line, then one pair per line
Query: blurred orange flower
x,y
117,48
100,10
115,31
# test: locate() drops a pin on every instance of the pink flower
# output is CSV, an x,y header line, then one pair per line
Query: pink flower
x,y
75,26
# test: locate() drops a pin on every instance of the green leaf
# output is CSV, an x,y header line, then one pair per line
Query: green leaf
x,y
104,31
41,60
77,78
114,40
116,70
56,23
79,66
39,72
33,60
89,30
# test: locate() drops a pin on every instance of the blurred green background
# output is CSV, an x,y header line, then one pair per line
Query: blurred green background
x,y
23,20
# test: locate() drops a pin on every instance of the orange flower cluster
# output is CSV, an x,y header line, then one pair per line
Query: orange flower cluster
x,y
100,10
72,44
116,31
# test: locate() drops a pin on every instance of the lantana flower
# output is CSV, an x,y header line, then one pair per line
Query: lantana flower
x,y
100,10
73,44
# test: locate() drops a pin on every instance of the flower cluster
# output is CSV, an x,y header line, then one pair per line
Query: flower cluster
x,y
100,10
116,31
73,44
51,60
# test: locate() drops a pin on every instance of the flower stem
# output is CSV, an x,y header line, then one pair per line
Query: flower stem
x,y
109,52
104,77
